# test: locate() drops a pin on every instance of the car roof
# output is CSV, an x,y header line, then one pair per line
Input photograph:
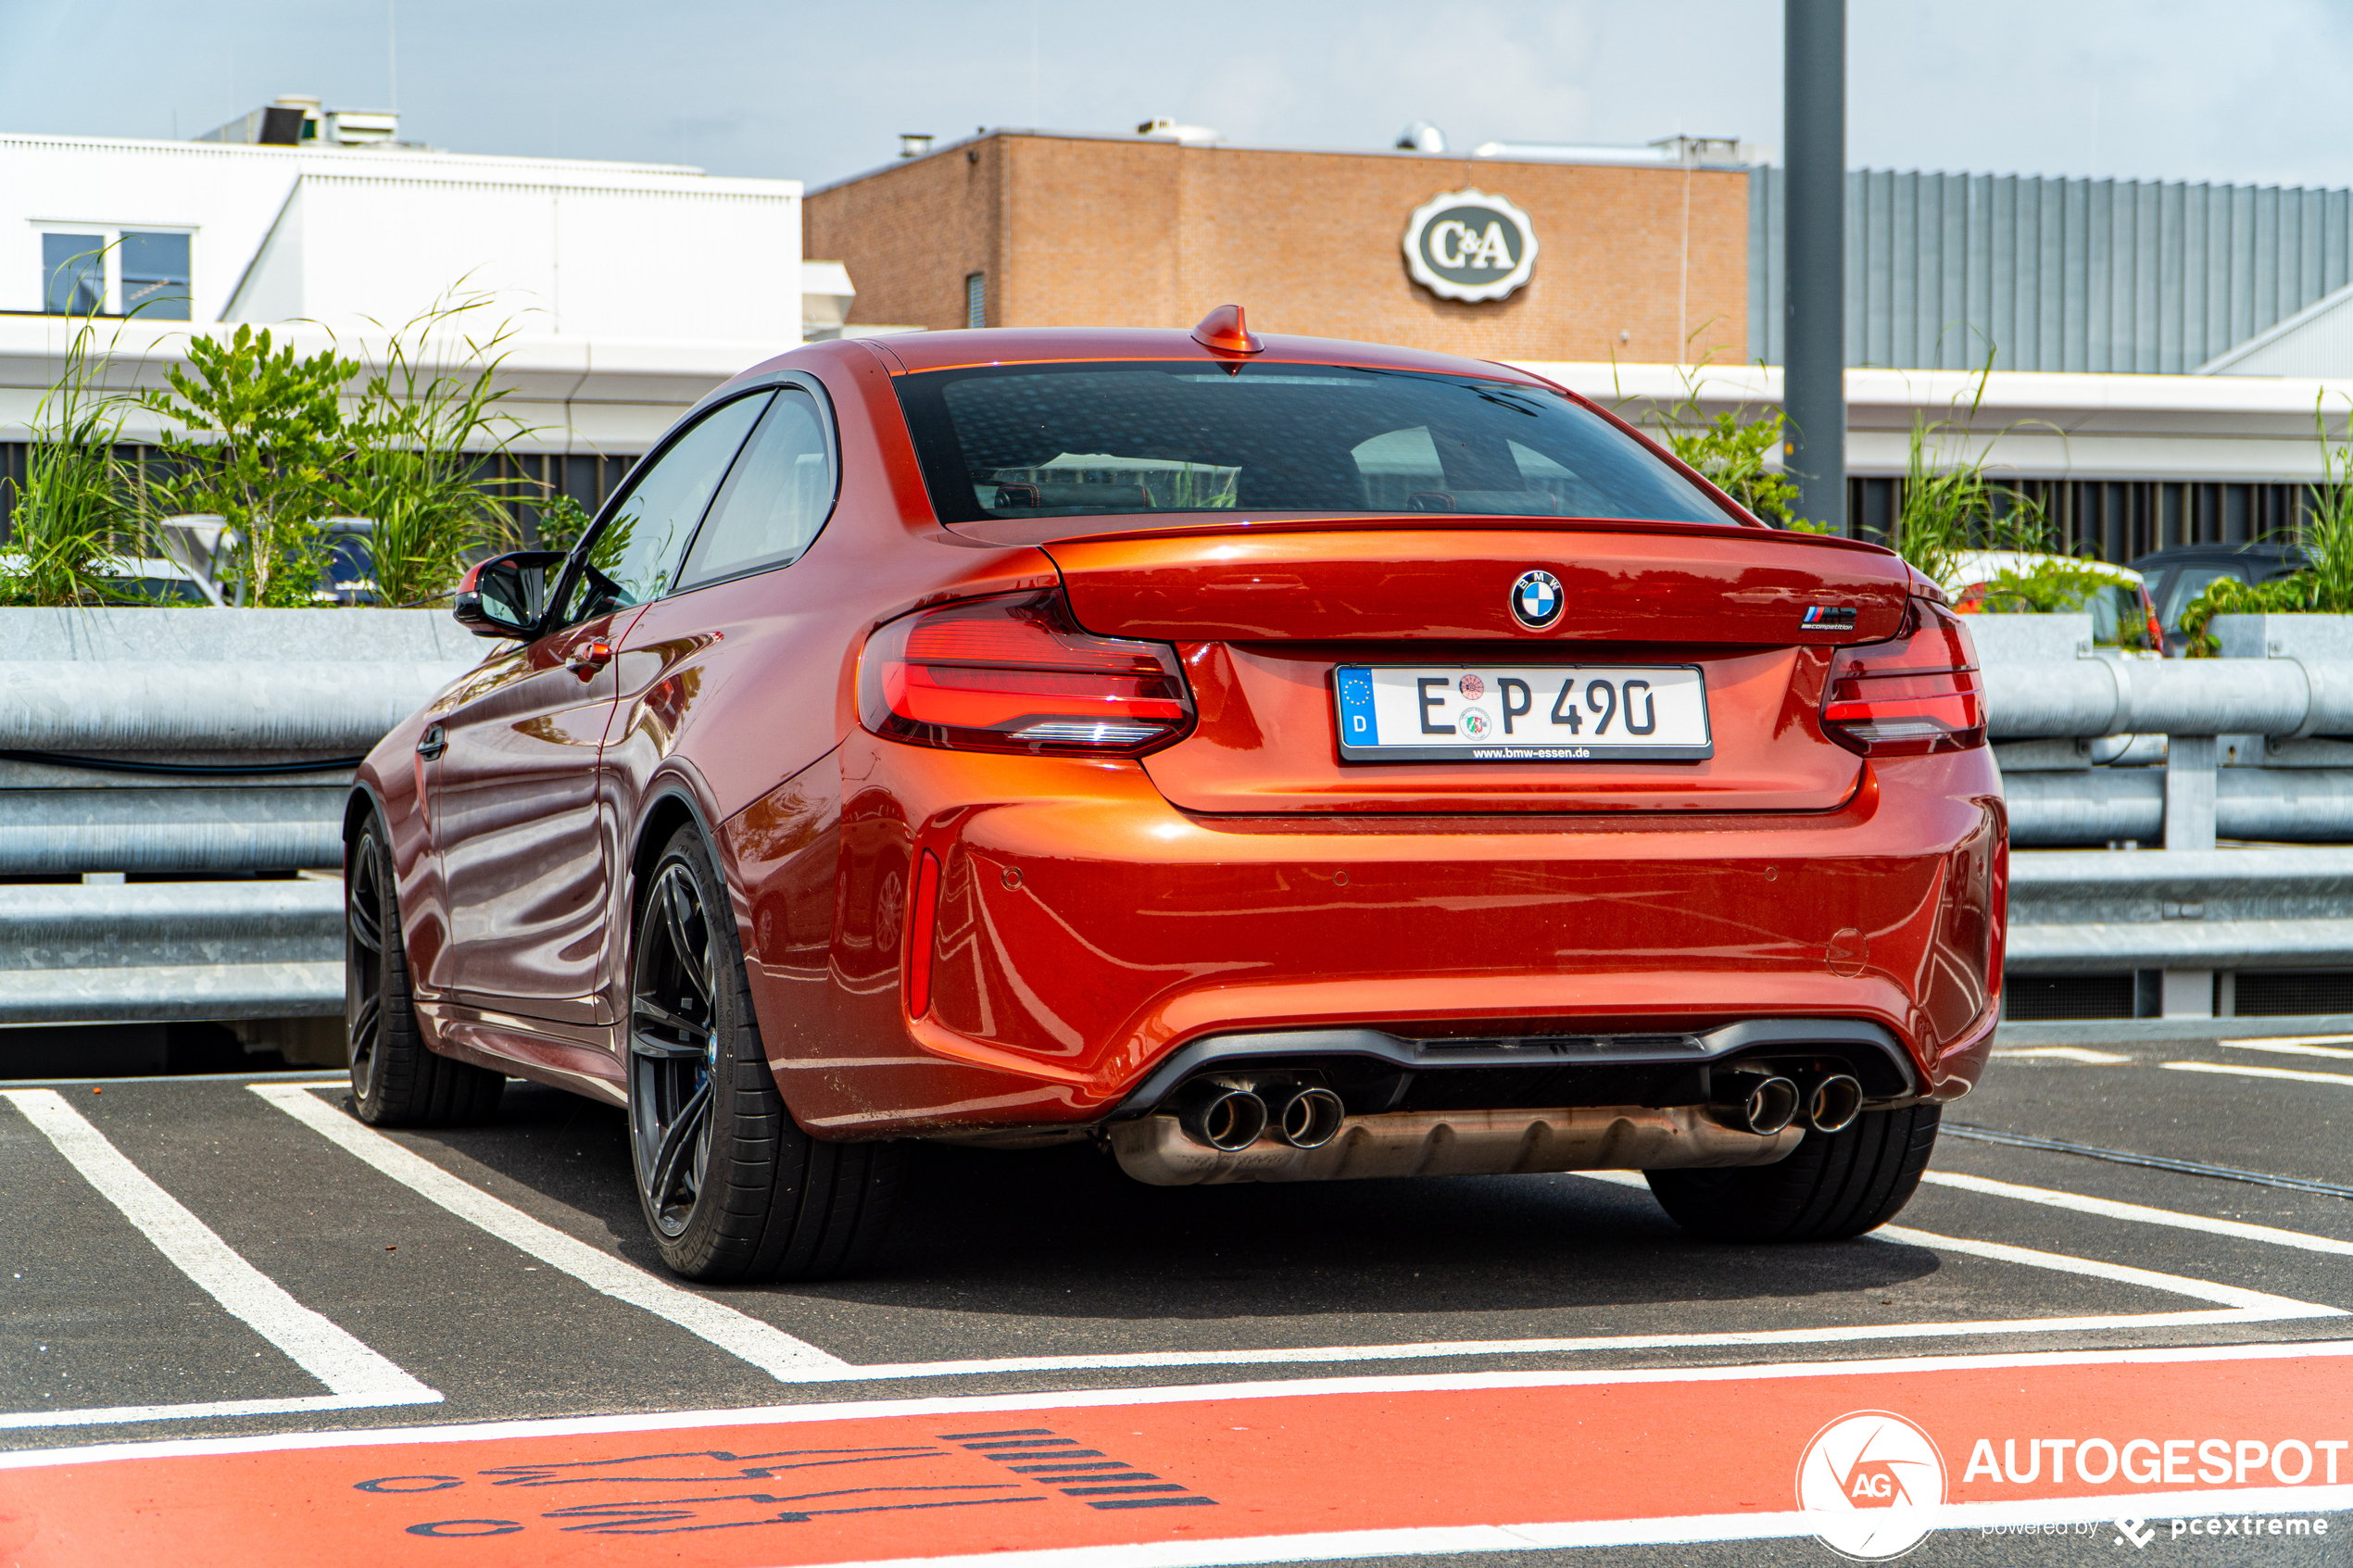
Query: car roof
x,y
2253,549
1973,567
1016,345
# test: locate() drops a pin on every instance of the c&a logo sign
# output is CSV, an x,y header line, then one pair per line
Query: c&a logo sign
x,y
1877,1480
1469,245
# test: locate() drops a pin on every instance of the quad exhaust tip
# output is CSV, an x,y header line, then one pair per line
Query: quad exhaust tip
x,y
1223,1117
1770,1105
1833,1103
1310,1118
1229,1118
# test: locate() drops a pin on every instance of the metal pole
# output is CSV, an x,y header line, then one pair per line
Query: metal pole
x,y
1814,255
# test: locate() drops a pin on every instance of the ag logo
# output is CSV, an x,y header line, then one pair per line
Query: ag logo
x,y
1537,601
1469,245
1877,1481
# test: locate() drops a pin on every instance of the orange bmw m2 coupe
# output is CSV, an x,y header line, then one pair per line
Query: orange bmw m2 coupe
x,y
1268,758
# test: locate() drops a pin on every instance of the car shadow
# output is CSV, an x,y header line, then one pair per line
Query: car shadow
x,y
1063,1232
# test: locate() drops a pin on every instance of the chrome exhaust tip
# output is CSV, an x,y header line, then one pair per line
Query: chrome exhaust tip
x,y
1310,1118
1770,1104
1222,1117
1833,1103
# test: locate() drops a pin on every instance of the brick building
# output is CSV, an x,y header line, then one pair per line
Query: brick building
x,y
1030,229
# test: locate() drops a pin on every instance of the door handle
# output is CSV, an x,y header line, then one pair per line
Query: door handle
x,y
594,656
432,743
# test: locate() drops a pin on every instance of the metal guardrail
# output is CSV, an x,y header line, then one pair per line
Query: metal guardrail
x,y
2094,912
118,706
224,950
87,785
143,952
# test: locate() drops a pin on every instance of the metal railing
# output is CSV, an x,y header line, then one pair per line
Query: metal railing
x,y
2241,747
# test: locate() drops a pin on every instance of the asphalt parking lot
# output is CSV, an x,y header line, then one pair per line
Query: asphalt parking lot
x,y
200,1259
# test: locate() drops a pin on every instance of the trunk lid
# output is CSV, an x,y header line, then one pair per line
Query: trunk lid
x,y
1263,619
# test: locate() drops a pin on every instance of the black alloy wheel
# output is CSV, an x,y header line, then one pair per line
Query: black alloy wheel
x,y
366,898
674,1050
395,1080
732,1188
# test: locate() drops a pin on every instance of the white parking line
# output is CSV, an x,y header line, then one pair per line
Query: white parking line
x,y
2260,1040
2065,1053
2221,1357
2251,1071
2233,1305
803,1363
357,1375
2284,1048
2107,1209
770,1349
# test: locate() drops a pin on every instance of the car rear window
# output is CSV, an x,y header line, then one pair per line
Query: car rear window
x,y
1031,441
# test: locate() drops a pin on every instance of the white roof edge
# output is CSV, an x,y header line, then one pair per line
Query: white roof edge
x,y
2003,389
45,338
2236,353
358,160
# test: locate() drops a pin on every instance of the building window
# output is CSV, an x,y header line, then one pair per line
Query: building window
x,y
154,276
73,274
117,273
976,299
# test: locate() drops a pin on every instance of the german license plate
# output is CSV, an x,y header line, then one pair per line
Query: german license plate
x,y
1534,713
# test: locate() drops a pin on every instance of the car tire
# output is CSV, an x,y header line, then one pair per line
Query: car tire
x,y
395,1080
1832,1187
731,1188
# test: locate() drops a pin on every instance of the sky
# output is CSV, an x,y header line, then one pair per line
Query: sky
x,y
2160,90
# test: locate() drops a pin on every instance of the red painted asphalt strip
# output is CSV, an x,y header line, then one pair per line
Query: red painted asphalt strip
x,y
974,1475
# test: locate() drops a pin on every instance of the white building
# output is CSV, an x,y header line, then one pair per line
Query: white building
x,y
633,287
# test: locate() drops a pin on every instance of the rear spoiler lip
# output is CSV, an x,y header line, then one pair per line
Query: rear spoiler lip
x,y
1044,532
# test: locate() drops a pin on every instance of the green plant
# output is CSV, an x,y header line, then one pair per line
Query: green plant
x,y
2326,587
1949,508
1205,488
1729,452
259,434
72,511
2051,586
562,522
424,433
1730,447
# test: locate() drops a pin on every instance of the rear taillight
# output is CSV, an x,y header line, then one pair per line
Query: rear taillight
x,y
1915,694
1014,673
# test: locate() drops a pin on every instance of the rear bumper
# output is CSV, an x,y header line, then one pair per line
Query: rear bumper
x,y
1088,931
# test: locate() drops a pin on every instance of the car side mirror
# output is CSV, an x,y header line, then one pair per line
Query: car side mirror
x,y
506,596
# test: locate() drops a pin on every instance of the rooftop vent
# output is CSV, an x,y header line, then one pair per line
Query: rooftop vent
x,y
1421,137
297,119
1169,130
1675,152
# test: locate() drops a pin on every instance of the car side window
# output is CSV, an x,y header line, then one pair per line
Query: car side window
x,y
775,499
635,557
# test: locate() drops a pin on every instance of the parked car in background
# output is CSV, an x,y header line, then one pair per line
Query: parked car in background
x,y
142,578
1265,758
2122,614
202,542
2178,575
346,575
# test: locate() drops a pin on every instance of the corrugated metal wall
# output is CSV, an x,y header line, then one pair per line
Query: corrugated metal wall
x,y
2119,521
2057,274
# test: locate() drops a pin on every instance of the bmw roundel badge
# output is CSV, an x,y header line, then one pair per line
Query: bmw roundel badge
x,y
1537,600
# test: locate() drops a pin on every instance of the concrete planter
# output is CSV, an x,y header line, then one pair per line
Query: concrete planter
x,y
2029,639
2284,636
256,637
